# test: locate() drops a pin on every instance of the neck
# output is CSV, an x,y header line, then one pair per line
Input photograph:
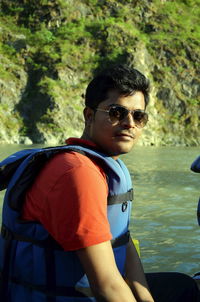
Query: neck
x,y
85,136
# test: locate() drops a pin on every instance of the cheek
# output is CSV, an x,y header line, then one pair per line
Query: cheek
x,y
102,125
139,133
102,130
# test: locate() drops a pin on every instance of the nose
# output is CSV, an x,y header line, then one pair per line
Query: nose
x,y
128,121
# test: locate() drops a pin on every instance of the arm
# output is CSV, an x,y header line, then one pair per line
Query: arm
x,y
106,282
135,275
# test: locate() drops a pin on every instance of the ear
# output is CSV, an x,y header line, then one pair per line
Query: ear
x,y
88,115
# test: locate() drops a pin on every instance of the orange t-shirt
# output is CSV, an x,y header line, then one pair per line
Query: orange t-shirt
x,y
69,198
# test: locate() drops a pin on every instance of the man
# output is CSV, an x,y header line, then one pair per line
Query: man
x,y
72,242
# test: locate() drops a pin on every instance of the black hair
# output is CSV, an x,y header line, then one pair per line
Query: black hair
x,y
122,78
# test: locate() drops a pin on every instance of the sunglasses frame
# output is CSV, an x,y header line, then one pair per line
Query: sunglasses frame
x,y
127,112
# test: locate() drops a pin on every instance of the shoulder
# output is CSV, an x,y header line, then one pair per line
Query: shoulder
x,y
68,161
72,166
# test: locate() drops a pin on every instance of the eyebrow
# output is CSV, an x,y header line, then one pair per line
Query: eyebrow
x,y
118,105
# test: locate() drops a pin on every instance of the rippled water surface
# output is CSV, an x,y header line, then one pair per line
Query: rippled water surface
x,y
164,209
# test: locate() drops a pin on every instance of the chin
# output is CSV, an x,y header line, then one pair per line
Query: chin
x,y
115,152
126,148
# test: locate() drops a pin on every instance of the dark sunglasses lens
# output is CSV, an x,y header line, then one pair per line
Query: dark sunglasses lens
x,y
117,113
140,118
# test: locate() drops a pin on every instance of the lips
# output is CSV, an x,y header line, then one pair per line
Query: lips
x,y
125,134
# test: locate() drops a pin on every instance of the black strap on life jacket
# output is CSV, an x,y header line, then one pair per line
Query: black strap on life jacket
x,y
121,240
50,243
114,199
6,269
50,274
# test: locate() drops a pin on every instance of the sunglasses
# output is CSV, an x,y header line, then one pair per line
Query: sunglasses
x,y
118,113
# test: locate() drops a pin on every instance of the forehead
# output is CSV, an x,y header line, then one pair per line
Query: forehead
x,y
134,101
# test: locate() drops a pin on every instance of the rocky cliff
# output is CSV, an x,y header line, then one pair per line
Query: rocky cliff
x,y
51,49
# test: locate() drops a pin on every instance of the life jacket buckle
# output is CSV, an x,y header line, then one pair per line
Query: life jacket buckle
x,y
124,206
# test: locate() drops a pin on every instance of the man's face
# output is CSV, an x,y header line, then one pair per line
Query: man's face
x,y
115,138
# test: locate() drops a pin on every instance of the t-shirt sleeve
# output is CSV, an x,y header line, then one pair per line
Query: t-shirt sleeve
x,y
74,210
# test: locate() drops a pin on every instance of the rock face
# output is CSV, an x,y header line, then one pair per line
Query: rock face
x,y
51,49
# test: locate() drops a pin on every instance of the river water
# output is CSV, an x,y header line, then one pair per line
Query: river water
x,y
164,207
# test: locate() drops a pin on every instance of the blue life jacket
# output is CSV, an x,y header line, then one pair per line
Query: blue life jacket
x,y
195,167
33,266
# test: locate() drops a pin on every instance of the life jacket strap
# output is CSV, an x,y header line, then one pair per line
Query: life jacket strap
x,y
121,240
120,198
50,243
5,269
50,274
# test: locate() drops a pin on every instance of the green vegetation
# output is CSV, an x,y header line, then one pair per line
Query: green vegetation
x,y
50,49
